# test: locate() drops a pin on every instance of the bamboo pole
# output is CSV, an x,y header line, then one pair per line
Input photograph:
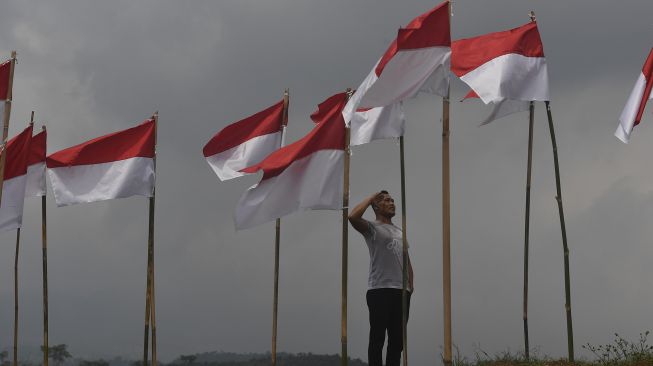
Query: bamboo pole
x,y
153,310
16,298
446,226
5,123
16,281
44,243
344,359
527,224
149,293
277,241
446,232
404,291
563,229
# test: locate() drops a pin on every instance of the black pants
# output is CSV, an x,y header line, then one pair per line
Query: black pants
x,y
385,315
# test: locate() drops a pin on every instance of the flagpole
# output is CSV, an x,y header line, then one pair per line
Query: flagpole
x,y
563,229
527,224
345,242
446,226
44,241
277,241
149,295
5,124
404,291
16,298
16,281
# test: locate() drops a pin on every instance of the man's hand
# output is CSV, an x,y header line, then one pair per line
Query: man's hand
x,y
356,214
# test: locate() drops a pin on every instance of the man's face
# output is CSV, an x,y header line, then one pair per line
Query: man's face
x,y
385,205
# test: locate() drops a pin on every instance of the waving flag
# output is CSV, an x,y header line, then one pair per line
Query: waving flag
x,y
307,174
245,143
367,125
5,74
417,60
117,165
634,109
15,176
507,69
35,186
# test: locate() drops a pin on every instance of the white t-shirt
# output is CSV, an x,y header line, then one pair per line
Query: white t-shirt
x,y
384,242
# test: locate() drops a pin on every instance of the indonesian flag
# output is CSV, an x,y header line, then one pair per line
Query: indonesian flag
x,y
5,69
634,109
35,186
15,176
117,165
417,60
507,69
368,124
245,143
307,174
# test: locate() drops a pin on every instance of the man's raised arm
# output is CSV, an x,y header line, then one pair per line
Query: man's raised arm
x,y
356,215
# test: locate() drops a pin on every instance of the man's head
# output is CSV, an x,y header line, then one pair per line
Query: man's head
x,y
383,205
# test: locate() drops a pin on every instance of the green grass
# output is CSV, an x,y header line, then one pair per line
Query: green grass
x,y
620,352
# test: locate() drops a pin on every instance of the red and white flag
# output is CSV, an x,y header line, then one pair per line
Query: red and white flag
x,y
15,176
35,186
417,60
245,143
117,165
507,69
5,73
367,124
307,174
634,109
377,123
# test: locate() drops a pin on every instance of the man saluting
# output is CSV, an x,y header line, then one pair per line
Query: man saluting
x,y
385,243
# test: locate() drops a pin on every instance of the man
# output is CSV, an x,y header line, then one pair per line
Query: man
x,y
385,283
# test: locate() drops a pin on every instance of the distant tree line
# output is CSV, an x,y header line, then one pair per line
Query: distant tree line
x,y
60,356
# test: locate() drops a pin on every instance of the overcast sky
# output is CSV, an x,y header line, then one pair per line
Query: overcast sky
x,y
90,68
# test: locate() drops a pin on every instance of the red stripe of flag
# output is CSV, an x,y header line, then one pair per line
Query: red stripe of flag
x,y
647,71
130,143
468,54
5,67
262,123
430,29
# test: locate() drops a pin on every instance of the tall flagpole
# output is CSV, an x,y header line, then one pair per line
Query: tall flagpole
x,y
404,291
149,293
345,244
446,225
277,241
563,229
5,123
16,281
44,243
16,298
527,224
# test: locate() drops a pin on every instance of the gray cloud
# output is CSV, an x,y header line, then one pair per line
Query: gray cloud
x,y
93,68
